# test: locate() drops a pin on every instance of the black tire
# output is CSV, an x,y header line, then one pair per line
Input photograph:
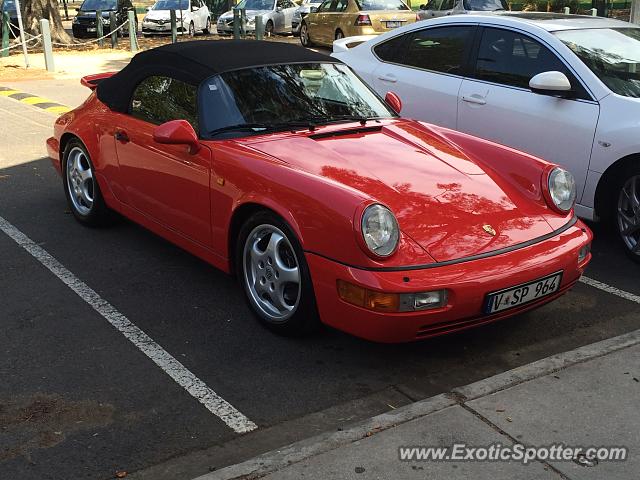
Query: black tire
x,y
268,29
207,28
624,210
304,319
98,214
338,35
305,38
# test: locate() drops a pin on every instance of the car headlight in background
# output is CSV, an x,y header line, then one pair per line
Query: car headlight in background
x,y
562,189
75,20
380,230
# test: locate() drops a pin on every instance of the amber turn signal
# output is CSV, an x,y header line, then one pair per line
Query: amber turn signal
x,y
390,302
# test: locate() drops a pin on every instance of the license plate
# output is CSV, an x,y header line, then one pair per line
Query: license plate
x,y
393,24
91,29
521,294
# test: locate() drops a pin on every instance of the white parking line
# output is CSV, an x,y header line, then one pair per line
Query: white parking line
x,y
172,367
609,289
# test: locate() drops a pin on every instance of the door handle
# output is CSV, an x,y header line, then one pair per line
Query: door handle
x,y
121,136
476,99
388,78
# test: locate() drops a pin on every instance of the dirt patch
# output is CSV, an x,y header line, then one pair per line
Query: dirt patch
x,y
44,421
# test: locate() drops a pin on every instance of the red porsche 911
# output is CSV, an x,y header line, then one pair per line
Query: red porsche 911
x,y
280,165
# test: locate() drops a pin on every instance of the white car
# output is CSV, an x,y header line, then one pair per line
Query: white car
x,y
276,16
191,16
562,87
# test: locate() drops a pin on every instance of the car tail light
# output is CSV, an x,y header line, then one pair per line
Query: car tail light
x,y
417,17
390,302
363,20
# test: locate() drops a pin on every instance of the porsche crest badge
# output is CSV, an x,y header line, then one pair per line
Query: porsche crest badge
x,y
489,229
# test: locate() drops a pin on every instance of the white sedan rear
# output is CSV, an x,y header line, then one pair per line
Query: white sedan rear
x,y
562,87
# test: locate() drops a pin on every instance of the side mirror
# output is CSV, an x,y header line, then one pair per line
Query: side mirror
x,y
423,7
393,101
194,8
77,9
148,9
550,83
177,132
313,9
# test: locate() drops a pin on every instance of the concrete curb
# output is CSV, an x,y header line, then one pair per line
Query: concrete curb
x,y
278,459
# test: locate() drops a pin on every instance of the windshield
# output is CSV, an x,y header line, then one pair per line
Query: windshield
x,y
171,5
257,4
613,54
90,5
9,6
381,5
485,5
314,93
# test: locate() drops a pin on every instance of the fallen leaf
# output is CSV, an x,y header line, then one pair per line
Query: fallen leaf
x,y
121,474
509,419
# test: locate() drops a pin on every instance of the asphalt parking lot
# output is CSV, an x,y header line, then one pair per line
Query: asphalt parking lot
x,y
78,399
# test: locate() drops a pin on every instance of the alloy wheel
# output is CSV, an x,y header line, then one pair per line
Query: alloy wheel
x,y
80,181
629,214
304,35
339,35
272,273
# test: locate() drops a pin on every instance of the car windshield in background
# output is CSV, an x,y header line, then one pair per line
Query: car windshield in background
x,y
171,5
613,54
9,6
367,5
265,98
257,4
91,5
485,5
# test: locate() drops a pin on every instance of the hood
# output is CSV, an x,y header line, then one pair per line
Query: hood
x,y
249,13
164,15
441,198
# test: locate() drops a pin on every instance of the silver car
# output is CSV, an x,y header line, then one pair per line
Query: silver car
x,y
276,16
302,11
440,8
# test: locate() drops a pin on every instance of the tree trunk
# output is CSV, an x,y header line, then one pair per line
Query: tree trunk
x,y
635,11
34,10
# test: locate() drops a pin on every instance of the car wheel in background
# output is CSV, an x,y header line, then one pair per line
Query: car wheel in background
x,y
268,29
305,39
81,187
627,214
271,266
339,34
207,28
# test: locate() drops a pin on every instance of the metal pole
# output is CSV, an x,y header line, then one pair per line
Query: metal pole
x,y
259,27
5,34
594,12
114,32
174,28
635,11
243,22
567,10
133,41
99,29
46,45
22,40
236,24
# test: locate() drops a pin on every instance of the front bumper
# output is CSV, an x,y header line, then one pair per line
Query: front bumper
x,y
467,284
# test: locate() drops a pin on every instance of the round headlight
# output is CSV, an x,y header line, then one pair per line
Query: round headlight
x,y
562,189
380,230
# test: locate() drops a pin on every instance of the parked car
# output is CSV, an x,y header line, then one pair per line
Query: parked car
x,y
191,16
335,19
279,164
564,88
276,16
9,6
301,12
440,8
84,23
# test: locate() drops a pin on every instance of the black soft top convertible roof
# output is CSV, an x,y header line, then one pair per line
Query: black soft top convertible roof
x,y
192,62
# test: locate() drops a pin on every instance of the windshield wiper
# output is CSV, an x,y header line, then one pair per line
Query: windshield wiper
x,y
263,127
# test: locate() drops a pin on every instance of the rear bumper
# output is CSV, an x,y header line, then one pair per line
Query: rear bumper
x,y
467,284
